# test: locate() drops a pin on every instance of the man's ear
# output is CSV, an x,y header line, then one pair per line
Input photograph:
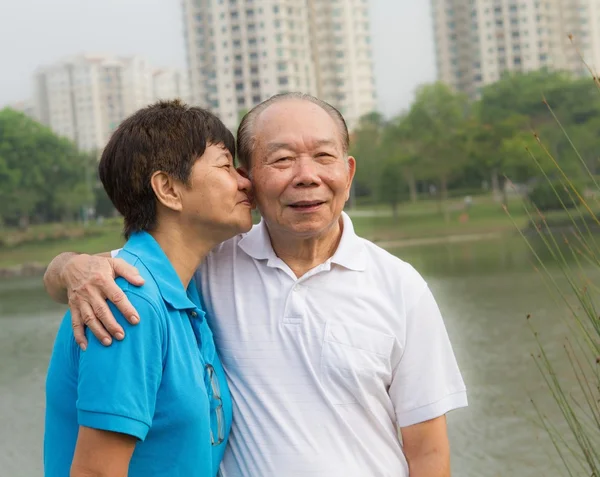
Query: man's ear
x,y
351,172
166,190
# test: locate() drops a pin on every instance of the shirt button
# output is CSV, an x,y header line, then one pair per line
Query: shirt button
x,y
194,314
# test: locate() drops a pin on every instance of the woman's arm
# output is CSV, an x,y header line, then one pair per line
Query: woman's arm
x,y
102,453
117,390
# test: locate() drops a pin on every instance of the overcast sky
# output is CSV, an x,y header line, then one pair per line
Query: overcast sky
x,y
36,32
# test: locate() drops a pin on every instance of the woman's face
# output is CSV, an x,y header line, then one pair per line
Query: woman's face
x,y
216,201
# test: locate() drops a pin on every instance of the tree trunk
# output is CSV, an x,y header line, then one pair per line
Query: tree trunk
x,y
444,198
395,210
412,186
495,186
24,222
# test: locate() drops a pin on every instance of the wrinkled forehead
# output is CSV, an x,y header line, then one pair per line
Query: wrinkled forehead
x,y
296,124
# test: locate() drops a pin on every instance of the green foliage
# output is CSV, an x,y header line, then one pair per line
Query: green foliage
x,y
575,249
444,140
392,185
366,145
42,176
553,195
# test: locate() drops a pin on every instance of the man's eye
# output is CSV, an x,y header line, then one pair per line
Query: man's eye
x,y
282,159
324,154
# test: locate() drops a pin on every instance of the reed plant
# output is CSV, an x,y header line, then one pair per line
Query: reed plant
x,y
575,251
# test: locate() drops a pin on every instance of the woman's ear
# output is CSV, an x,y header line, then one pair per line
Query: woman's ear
x,y
166,190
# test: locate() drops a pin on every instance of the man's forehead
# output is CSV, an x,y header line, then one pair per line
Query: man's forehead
x,y
300,142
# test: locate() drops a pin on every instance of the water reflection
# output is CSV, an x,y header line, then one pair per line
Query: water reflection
x,y
506,254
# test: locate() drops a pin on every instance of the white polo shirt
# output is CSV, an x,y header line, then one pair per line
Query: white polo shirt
x,y
323,369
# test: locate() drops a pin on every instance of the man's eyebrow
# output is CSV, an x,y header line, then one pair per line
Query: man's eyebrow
x,y
325,142
276,146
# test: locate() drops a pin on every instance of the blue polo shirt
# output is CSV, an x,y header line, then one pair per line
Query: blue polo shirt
x,y
154,385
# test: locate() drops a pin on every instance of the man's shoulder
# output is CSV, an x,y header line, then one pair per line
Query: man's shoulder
x,y
381,260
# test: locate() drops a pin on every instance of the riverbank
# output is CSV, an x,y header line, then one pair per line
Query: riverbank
x,y
28,253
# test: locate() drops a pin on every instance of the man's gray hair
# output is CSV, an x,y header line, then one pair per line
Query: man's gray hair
x,y
246,136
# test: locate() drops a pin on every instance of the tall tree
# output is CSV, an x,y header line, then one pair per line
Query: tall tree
x,y
365,146
39,171
485,148
400,142
441,117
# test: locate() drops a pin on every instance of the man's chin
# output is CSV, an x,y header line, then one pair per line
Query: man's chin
x,y
310,229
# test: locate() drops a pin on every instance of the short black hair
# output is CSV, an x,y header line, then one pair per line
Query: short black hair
x,y
167,136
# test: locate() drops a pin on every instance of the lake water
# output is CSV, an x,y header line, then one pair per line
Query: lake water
x,y
485,290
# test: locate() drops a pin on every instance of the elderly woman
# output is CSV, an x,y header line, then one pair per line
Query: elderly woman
x,y
156,403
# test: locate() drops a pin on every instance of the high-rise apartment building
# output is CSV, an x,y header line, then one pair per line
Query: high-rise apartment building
x,y
169,84
478,40
85,97
25,107
241,52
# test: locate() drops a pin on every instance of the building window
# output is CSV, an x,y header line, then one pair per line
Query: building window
x,y
283,80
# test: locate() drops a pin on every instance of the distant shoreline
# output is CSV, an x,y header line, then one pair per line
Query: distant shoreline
x,y
34,269
23,270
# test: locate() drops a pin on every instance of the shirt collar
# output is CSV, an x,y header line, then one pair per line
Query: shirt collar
x,y
149,252
349,254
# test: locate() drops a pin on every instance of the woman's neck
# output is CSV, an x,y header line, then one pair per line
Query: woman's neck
x,y
184,251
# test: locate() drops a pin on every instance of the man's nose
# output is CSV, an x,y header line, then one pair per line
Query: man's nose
x,y
306,172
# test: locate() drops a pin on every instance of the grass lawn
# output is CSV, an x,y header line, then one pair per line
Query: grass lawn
x,y
424,220
101,239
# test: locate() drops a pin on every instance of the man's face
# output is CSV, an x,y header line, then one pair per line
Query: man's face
x,y
300,174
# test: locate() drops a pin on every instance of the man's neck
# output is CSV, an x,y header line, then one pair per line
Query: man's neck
x,y
304,254
184,252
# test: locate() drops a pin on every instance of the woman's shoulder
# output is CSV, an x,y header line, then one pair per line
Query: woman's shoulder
x,y
148,295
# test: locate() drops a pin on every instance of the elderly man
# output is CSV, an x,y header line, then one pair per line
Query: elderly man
x,y
330,343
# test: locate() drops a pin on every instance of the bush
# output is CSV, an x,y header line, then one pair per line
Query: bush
x,y
548,195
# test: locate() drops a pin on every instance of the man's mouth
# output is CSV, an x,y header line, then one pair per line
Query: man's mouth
x,y
307,204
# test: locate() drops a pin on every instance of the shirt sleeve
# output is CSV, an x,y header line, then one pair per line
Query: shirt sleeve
x,y
118,384
426,383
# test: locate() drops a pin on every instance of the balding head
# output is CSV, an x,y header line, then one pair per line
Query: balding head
x,y
246,136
